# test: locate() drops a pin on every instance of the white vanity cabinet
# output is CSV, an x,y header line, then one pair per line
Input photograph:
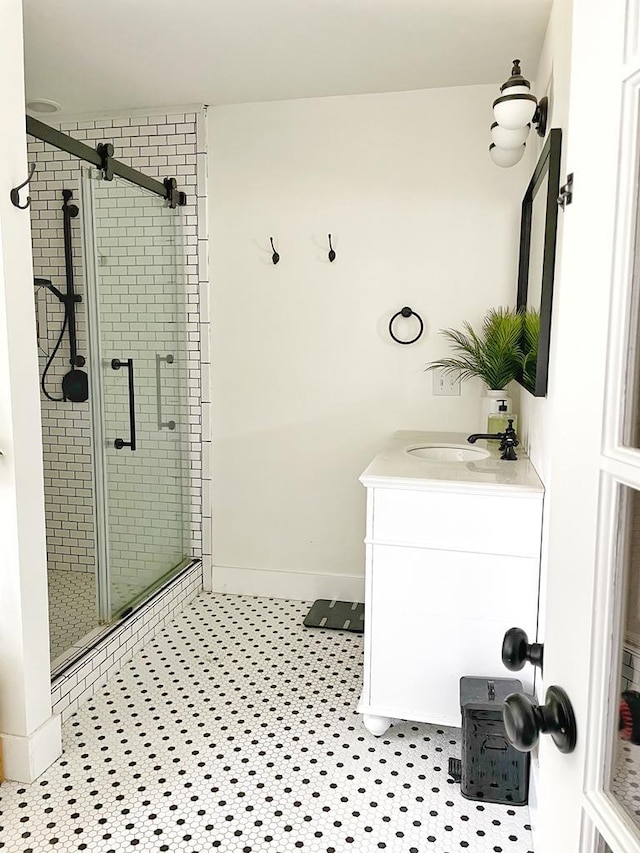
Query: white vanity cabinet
x,y
452,562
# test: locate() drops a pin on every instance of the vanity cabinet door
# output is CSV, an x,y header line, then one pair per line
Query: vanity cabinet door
x,y
437,615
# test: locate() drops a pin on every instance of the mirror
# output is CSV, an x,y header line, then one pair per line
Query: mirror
x,y
538,227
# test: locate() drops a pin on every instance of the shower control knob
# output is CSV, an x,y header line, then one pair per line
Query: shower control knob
x,y
524,721
517,650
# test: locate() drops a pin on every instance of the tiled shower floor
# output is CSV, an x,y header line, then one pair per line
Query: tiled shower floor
x,y
72,608
235,731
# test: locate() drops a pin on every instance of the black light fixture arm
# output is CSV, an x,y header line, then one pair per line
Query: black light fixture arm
x,y
540,116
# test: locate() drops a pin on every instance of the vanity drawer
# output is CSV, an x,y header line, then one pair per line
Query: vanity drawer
x,y
483,523
453,585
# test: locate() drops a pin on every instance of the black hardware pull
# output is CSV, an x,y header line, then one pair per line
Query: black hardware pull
x,y
517,650
525,721
119,443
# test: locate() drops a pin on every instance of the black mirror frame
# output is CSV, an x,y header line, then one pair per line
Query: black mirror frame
x,y
548,162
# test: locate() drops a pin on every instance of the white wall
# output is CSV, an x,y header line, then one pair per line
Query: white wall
x,y
553,80
537,424
29,734
536,420
306,380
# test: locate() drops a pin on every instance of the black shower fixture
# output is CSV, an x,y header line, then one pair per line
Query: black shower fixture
x,y
75,383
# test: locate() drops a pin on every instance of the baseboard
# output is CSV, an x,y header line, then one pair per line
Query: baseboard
x,y
297,586
25,758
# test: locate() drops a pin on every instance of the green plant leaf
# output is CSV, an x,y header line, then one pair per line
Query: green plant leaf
x,y
494,354
530,338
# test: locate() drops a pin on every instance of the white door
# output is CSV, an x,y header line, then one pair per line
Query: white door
x,y
590,800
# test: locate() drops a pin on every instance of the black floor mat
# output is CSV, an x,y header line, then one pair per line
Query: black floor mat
x,y
336,615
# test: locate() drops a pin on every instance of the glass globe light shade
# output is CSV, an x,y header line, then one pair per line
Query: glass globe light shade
x,y
514,90
506,157
502,137
514,111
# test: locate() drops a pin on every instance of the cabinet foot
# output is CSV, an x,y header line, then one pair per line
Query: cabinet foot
x,y
376,725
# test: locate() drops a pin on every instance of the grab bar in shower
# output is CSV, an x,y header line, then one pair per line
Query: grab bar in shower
x,y
169,360
119,443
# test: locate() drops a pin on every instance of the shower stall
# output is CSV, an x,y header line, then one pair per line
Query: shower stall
x,y
116,443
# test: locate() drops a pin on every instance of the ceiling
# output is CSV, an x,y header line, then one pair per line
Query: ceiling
x,y
92,56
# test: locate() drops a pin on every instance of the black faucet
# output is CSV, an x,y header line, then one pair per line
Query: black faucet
x,y
508,441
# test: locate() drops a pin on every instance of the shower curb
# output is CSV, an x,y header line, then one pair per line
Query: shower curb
x,y
81,679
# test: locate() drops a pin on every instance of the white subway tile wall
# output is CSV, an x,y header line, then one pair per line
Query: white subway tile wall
x,y
630,674
66,432
161,146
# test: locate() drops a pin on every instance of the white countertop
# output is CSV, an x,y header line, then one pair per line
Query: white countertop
x,y
393,467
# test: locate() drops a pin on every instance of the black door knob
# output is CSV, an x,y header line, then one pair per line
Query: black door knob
x,y
524,721
517,650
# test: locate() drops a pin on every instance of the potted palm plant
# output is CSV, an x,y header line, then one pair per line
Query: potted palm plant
x,y
494,354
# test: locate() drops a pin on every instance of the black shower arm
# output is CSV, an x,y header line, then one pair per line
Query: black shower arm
x,y
44,282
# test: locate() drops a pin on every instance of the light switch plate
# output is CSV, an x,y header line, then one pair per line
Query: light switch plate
x,y
445,384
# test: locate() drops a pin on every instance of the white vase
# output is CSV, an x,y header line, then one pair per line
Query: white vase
x,y
489,403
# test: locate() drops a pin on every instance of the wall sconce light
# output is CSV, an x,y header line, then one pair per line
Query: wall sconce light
x,y
515,111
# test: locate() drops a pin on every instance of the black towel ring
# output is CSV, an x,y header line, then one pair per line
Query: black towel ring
x,y
406,312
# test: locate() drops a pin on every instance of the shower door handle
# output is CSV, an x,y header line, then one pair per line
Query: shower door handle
x,y
169,360
119,443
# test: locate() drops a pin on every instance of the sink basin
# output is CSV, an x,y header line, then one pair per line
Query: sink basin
x,y
448,453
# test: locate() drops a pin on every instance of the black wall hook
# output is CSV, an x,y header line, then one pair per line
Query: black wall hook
x,y
15,193
332,254
406,312
275,257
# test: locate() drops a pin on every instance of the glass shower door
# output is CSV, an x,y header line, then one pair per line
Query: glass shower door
x,y
137,312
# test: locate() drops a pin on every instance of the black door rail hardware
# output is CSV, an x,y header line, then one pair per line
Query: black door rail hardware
x,y
168,359
406,312
119,443
517,650
102,158
524,721
14,195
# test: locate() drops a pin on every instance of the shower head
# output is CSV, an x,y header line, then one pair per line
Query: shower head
x,y
45,282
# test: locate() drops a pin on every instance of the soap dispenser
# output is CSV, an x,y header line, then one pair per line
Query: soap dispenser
x,y
498,421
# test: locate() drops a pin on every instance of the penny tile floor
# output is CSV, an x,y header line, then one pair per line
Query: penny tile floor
x,y
235,730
